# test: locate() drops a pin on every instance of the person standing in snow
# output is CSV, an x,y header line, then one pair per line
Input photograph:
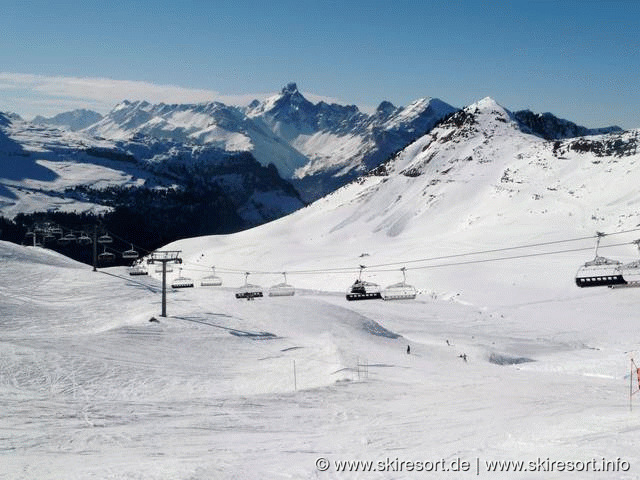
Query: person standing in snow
x,y
408,349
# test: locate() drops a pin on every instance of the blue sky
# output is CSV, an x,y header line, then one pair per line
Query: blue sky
x,y
577,59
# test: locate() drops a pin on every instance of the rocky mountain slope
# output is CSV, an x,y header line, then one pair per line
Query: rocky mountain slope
x,y
317,146
477,181
47,169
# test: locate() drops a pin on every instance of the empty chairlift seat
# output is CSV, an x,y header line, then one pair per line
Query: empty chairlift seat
x,y
249,291
182,282
400,291
138,268
282,289
105,239
106,257
84,239
600,271
631,272
131,253
211,280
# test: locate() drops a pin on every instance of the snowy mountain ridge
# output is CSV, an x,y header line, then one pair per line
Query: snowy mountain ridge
x,y
477,180
48,169
74,120
549,127
57,167
317,146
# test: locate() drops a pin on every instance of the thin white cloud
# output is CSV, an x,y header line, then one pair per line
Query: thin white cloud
x,y
30,94
105,90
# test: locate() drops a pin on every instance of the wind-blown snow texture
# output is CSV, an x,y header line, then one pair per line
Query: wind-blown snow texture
x,y
92,390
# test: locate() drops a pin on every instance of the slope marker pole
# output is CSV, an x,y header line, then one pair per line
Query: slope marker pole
x,y
295,379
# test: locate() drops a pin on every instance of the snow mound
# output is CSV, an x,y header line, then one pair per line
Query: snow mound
x,y
504,359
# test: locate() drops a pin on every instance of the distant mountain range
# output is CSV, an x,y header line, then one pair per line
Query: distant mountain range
x,y
478,180
167,186
74,120
228,168
318,147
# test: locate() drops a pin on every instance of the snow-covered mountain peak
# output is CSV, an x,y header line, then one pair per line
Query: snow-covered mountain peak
x,y
462,145
9,117
130,105
122,105
385,109
4,119
489,107
289,104
73,120
415,108
427,108
290,88
485,116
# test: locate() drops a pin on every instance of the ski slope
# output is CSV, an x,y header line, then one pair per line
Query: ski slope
x,y
92,389
224,388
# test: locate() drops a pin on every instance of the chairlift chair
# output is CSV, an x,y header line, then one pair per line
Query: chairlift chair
x,y
248,290
600,271
361,290
130,253
67,239
182,282
631,271
211,280
138,268
282,289
401,290
84,239
105,239
106,257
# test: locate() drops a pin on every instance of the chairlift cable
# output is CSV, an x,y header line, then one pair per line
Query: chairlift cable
x,y
378,269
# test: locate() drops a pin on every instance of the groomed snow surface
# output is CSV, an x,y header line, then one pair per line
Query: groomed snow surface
x,y
91,388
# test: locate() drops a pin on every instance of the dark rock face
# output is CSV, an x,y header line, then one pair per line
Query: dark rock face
x,y
551,127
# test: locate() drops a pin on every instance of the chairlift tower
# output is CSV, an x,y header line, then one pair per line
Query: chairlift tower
x,y
164,257
95,247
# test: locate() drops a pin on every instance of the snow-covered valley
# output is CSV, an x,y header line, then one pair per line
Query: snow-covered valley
x,y
491,233
223,388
